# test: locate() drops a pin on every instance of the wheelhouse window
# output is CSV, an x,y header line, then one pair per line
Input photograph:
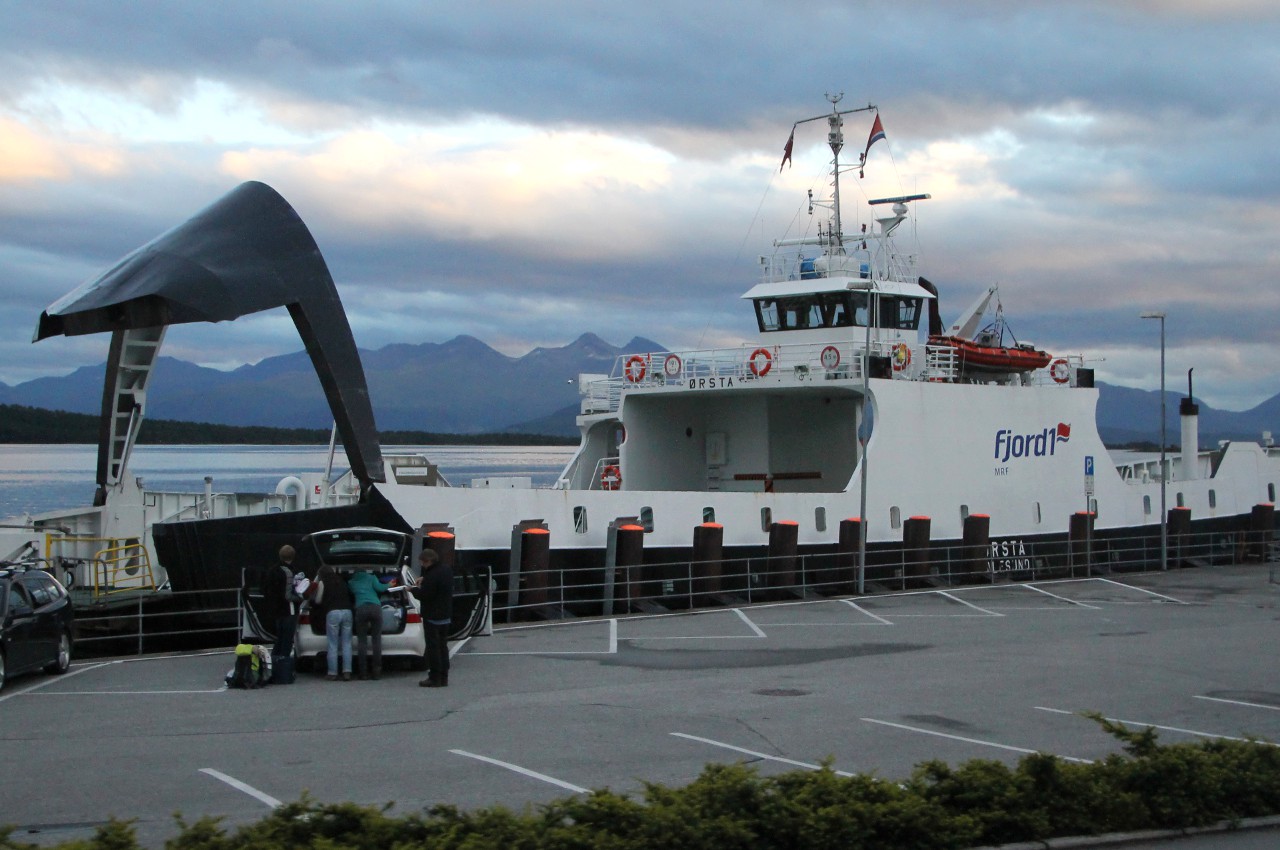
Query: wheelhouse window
x,y
834,310
899,312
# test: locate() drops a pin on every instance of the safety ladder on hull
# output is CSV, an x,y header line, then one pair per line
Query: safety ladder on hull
x,y
132,359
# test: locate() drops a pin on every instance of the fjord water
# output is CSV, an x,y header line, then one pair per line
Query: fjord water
x,y
36,478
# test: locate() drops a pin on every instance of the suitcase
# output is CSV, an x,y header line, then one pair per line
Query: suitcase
x,y
282,670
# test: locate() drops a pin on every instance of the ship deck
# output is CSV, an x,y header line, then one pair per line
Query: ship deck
x,y
536,712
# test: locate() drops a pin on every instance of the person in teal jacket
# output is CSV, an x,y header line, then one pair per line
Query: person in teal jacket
x,y
365,587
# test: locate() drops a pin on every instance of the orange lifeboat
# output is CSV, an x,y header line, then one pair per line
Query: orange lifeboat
x,y
974,357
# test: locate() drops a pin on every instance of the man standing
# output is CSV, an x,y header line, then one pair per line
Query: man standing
x,y
281,612
435,592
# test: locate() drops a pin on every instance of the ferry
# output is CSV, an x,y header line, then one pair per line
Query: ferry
x,y
853,430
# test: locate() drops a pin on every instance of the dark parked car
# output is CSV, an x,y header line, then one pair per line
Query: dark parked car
x,y
37,623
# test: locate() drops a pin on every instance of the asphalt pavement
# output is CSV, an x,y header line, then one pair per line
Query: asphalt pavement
x,y
876,684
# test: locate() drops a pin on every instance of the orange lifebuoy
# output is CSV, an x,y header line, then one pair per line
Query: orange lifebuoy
x,y
672,365
753,362
635,369
610,478
1060,371
901,357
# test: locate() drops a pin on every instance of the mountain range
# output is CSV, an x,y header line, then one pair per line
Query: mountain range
x,y
463,386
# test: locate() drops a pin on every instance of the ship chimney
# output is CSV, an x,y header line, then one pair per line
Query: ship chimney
x,y
1189,412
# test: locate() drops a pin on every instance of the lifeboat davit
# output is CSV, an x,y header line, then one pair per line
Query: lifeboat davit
x,y
974,357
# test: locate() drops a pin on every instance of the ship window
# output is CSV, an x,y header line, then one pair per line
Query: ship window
x,y
814,310
1179,501
820,518
1271,493
964,512
895,517
646,518
580,520
1035,512
708,514
1146,505
899,312
767,314
766,519
1213,498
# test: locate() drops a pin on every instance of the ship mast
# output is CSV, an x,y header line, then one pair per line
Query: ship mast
x,y
835,138
833,240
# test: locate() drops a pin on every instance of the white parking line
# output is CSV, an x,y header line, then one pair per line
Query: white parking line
x,y
1063,598
1141,723
966,740
127,693
766,756
861,610
1241,702
524,771
747,620
50,681
611,646
1143,589
955,598
241,786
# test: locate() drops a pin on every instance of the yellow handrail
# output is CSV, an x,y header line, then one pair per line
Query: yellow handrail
x,y
122,565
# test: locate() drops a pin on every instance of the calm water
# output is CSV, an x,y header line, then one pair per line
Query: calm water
x,y
42,478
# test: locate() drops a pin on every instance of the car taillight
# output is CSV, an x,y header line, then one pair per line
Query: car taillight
x,y
304,619
413,617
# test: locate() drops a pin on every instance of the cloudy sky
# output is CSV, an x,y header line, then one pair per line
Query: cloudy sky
x,y
525,172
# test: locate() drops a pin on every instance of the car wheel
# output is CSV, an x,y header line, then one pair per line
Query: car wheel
x,y
62,663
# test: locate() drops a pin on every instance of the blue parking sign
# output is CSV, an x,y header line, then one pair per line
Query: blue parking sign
x,y
1088,464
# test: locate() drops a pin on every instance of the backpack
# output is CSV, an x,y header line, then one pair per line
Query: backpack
x,y
250,671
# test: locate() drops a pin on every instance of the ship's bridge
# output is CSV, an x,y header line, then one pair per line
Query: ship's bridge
x,y
893,308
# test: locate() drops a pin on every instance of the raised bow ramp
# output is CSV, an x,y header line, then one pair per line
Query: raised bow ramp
x,y
248,251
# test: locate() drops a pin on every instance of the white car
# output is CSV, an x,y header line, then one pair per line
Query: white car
x,y
386,554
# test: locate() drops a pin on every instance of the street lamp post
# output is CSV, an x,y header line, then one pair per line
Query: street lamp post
x,y
1164,474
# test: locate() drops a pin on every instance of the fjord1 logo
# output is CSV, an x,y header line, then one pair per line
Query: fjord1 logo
x,y
1043,443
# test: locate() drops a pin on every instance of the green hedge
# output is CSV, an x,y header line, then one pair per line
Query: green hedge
x,y
981,802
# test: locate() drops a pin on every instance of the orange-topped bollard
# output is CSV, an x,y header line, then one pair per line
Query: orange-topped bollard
x,y
975,562
780,570
708,561
534,561
917,559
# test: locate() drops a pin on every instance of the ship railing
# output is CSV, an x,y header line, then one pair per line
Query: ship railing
x,y
1053,374
792,363
607,474
716,367
99,567
686,584
191,619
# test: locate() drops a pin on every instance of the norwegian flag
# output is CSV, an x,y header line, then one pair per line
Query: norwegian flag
x,y
1064,432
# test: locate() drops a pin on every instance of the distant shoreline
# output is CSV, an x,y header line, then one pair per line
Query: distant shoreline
x,y
22,425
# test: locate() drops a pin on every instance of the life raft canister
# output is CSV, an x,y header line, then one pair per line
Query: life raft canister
x,y
610,478
635,368
901,357
672,365
758,368
1060,371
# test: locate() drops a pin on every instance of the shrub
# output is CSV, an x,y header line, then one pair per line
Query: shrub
x,y
731,807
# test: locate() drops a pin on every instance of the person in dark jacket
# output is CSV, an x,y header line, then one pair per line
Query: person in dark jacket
x,y
435,592
278,598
